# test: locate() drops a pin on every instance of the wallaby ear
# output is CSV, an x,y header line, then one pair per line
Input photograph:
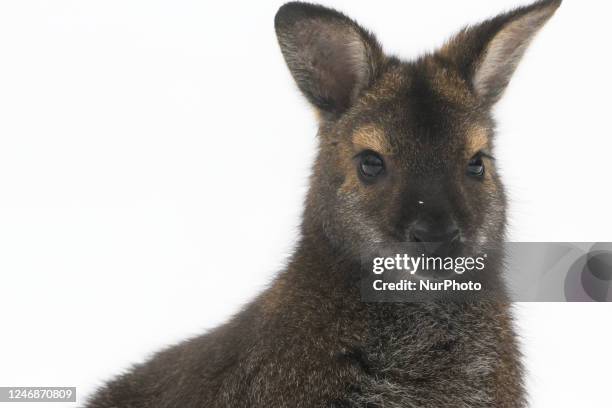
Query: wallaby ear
x,y
488,54
331,57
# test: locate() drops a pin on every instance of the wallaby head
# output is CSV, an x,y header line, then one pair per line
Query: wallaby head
x,y
405,147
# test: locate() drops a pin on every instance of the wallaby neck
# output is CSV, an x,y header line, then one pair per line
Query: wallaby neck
x,y
319,265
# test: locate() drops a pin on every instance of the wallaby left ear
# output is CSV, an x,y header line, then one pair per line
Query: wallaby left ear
x,y
331,58
488,54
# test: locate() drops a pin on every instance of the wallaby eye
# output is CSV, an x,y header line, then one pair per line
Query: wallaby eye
x,y
476,167
371,166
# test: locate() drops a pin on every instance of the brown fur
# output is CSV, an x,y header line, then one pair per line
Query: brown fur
x,y
309,340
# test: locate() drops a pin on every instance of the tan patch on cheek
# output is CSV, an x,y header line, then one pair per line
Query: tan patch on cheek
x,y
346,166
351,182
372,138
489,183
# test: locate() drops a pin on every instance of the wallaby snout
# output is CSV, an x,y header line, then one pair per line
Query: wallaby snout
x,y
439,229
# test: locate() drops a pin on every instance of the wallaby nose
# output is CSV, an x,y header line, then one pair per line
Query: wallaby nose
x,y
425,231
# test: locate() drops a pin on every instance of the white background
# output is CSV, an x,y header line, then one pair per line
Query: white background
x,y
154,158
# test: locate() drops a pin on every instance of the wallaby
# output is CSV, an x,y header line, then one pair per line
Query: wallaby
x,y
404,156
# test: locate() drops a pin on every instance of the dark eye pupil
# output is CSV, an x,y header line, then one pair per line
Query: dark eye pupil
x,y
476,167
371,165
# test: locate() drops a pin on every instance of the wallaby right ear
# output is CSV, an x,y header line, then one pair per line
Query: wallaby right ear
x,y
331,57
487,54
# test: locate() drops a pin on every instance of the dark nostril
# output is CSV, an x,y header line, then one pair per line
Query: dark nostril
x,y
419,233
